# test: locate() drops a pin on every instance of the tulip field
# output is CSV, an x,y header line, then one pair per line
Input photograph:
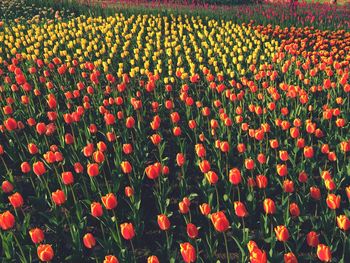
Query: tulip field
x,y
174,132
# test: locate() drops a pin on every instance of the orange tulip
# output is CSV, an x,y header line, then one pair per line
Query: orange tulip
x,y
205,209
324,253
269,206
109,201
333,201
45,252
188,252
110,259
343,222
152,259
257,256
126,167
212,177
282,233
220,222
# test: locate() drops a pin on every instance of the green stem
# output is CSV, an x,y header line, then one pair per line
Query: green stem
x,y
19,246
227,254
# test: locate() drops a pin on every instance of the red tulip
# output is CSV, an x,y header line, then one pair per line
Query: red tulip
x,y
312,239
93,169
290,258
192,230
58,197
127,230
6,187
89,240
163,222
16,200
235,176
188,252
7,220
39,168
96,209
37,235
240,209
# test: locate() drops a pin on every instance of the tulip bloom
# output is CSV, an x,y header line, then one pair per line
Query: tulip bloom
x,y
220,222
110,259
152,171
163,222
7,187
235,176
16,200
152,259
126,167
39,168
58,197
205,209
96,209
324,253
312,239
282,233
212,177
89,240
93,169
257,256
333,201
191,230
7,220
204,166
127,230
290,258
240,209
37,235
188,252
67,178
45,252
269,206
343,222
109,201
